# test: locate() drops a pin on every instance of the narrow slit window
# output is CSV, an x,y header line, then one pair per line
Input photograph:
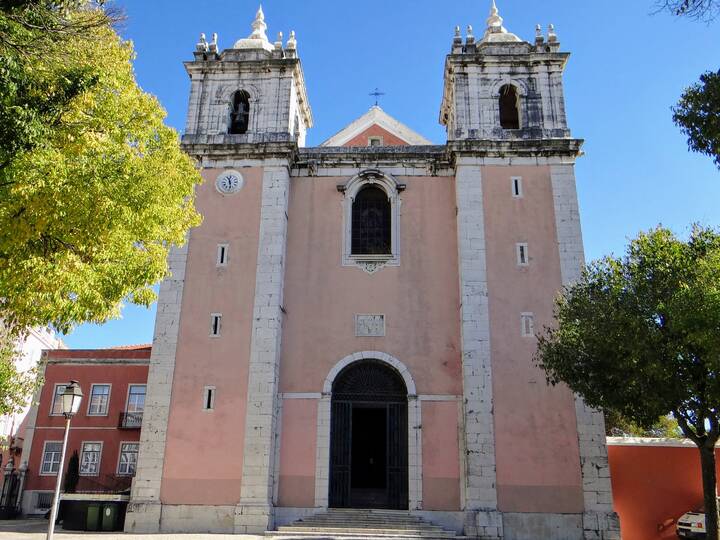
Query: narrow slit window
x,y
516,183
222,254
522,254
527,324
215,324
208,398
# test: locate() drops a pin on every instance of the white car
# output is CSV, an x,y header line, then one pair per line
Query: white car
x,y
692,524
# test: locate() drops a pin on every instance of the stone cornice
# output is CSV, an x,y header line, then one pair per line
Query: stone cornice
x,y
439,156
204,146
517,147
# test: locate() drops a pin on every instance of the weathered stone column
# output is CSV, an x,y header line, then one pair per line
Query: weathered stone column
x,y
254,514
144,510
599,518
480,484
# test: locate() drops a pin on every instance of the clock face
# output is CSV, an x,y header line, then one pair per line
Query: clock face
x,y
229,182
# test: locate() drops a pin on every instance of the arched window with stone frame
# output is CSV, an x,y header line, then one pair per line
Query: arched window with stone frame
x,y
239,120
509,104
371,220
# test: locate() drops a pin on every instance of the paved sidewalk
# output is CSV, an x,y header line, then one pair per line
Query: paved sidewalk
x,y
35,529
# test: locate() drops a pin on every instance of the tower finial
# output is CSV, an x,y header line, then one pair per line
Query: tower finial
x,y
259,25
494,21
495,30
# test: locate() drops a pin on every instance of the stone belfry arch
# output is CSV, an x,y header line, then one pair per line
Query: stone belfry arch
x,y
260,86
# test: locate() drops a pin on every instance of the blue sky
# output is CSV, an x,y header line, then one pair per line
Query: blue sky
x,y
628,66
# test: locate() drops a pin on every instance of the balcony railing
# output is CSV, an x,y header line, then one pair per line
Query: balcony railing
x,y
130,420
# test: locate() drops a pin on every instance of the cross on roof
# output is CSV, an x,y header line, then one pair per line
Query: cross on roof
x,y
376,93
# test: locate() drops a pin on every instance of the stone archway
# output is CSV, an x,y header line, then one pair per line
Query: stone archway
x,y
414,428
368,438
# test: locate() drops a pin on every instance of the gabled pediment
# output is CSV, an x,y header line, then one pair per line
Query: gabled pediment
x,y
376,123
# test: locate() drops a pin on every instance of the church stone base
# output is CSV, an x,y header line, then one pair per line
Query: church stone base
x,y
153,517
519,526
143,517
254,518
601,526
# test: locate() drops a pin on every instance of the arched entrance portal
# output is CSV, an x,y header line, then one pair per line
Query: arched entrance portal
x,y
369,438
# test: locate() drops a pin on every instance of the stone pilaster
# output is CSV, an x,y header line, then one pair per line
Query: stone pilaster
x,y
479,440
254,514
144,509
599,520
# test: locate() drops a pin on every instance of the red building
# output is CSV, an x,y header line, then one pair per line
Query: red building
x,y
104,433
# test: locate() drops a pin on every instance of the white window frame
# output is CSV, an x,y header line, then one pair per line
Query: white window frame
x,y
375,138
527,324
127,397
120,453
521,248
54,396
213,397
392,188
214,334
90,395
42,459
516,181
99,461
222,249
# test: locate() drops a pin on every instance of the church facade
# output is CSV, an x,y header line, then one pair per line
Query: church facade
x,y
353,324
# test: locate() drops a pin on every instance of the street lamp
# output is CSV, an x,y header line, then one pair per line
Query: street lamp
x,y
71,398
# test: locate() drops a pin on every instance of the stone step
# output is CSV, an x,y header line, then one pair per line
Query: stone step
x,y
343,520
430,531
350,535
354,524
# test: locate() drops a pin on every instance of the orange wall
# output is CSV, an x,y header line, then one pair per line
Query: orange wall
x,y
220,362
652,486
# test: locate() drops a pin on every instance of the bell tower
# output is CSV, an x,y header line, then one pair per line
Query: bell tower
x,y
501,87
253,92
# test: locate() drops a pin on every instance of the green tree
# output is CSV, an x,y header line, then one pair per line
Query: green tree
x,y
697,114
72,476
640,336
665,427
15,386
94,188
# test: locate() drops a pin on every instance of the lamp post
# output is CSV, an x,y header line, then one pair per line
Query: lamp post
x,y
71,398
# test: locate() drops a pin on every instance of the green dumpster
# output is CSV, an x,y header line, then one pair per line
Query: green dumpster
x,y
109,517
92,522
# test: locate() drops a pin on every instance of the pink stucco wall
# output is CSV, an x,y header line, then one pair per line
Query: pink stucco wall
x,y
297,453
420,300
440,458
538,468
203,459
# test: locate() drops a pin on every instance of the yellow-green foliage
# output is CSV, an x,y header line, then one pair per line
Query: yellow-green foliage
x,y
88,213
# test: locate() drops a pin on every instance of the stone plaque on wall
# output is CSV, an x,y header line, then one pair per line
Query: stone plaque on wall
x,y
369,325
